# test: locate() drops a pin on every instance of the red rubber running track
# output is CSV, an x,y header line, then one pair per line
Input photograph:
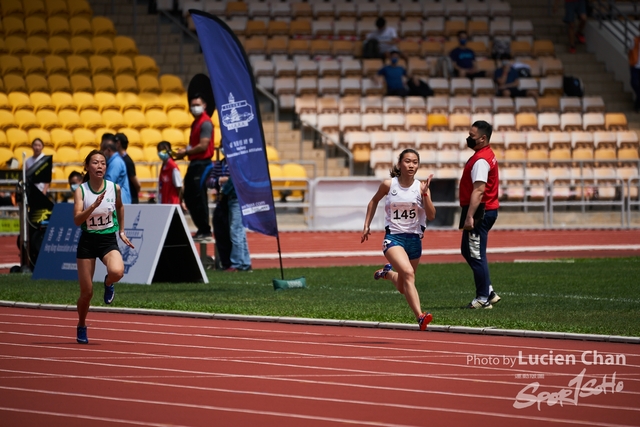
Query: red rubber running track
x,y
152,371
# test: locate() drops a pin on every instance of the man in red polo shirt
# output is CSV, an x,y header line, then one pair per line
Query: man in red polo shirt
x,y
200,153
479,201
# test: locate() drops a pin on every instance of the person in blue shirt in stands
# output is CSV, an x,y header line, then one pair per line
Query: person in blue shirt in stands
x,y
463,59
116,168
394,75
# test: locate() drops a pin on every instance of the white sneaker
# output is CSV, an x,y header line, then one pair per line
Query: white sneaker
x,y
476,304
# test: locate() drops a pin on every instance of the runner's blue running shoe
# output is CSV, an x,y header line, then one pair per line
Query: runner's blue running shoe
x,y
109,292
382,273
81,335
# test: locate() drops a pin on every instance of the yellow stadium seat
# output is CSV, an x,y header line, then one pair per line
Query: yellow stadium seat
x,y
18,138
4,102
26,120
59,83
1,82
42,101
84,151
146,65
36,26
34,8
106,101
128,101
7,120
61,138
272,154
48,151
13,26
77,64
85,101
44,136
33,65
5,155
79,8
437,122
3,139
171,83
133,136
113,119
37,83
126,83
84,137
58,26
275,172
122,65
103,26
91,119
103,46
103,83
136,154
100,65
148,182
65,154
174,136
616,121
80,26
63,101
55,64
14,83
60,46
150,154
22,152
151,137
58,178
135,119
179,119
157,119
125,46
81,46
10,64
148,83
3,47
16,45
73,168
48,119
38,46
172,101
150,101
296,176
69,120
81,83
19,101
57,8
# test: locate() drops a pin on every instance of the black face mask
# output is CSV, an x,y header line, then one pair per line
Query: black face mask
x,y
471,143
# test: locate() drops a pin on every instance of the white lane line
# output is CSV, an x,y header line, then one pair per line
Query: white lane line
x,y
253,330
453,251
342,371
85,417
321,399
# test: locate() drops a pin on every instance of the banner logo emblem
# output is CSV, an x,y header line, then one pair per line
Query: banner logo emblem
x,y
236,115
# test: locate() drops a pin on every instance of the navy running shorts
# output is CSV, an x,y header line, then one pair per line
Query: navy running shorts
x,y
412,243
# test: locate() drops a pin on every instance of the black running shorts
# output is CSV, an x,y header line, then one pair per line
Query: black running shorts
x,y
94,245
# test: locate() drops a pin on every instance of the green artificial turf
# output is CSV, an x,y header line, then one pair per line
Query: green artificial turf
x,y
598,296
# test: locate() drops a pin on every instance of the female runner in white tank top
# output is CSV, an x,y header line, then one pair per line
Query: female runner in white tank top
x,y
99,211
407,207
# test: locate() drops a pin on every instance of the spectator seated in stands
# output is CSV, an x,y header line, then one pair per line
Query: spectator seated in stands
x,y
507,80
398,82
380,43
463,59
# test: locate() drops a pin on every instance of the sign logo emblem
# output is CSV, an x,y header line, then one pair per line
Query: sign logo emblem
x,y
135,235
236,115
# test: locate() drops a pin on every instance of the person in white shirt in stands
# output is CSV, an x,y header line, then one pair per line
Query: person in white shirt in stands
x,y
387,38
37,145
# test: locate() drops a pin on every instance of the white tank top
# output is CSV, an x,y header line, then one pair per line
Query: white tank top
x,y
404,212
103,219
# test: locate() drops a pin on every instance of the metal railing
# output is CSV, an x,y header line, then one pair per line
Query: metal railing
x,y
607,11
326,140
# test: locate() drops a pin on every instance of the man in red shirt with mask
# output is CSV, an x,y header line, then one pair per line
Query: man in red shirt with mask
x,y
200,153
479,201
